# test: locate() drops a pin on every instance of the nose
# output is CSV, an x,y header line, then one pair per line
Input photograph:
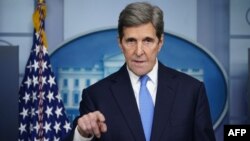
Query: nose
x,y
139,49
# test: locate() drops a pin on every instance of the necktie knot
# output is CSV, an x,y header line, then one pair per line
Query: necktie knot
x,y
144,80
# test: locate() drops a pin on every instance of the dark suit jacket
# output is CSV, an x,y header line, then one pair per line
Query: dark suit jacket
x,y
181,109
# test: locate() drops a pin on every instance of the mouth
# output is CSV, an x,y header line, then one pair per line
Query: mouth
x,y
138,62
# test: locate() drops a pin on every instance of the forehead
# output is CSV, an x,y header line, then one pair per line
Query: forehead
x,y
140,31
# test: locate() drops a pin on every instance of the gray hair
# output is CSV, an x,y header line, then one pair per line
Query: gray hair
x,y
139,13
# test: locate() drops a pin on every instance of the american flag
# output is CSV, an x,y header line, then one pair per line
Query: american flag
x,y
41,112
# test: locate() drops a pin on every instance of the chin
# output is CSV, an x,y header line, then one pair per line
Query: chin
x,y
139,72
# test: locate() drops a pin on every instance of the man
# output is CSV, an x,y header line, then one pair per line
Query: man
x,y
113,109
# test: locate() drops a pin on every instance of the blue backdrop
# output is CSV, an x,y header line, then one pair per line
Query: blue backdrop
x,y
89,49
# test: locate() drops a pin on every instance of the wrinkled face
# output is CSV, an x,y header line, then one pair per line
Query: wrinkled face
x,y
140,47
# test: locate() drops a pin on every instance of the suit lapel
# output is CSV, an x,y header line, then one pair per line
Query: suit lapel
x,y
164,101
123,92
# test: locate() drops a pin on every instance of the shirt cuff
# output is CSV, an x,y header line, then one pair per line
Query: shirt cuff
x,y
79,137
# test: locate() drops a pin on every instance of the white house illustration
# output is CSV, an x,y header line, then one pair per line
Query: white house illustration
x,y
71,81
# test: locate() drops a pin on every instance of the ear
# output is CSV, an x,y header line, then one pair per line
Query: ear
x,y
119,43
161,42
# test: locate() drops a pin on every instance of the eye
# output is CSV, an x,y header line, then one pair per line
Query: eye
x,y
148,41
130,42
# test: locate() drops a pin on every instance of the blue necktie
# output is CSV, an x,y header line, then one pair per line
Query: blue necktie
x,y
146,107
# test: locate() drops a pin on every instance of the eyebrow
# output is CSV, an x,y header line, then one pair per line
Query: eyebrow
x,y
148,38
145,38
130,39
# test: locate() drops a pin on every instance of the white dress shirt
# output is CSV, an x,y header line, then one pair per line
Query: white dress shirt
x,y
151,84
135,81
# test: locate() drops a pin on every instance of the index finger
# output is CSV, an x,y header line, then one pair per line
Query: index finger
x,y
100,117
